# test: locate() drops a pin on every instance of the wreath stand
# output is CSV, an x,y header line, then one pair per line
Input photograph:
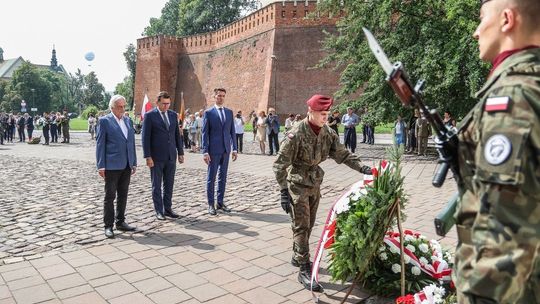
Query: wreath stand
x,y
394,210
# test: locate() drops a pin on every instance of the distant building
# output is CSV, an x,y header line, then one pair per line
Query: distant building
x,y
266,59
8,66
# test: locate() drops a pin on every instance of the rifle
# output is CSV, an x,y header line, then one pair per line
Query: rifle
x,y
446,141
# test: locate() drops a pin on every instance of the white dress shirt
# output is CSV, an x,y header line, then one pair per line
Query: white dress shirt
x,y
122,125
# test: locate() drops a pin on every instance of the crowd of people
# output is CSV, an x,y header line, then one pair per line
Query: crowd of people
x,y
53,125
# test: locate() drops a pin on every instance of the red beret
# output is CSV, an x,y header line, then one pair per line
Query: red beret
x,y
320,103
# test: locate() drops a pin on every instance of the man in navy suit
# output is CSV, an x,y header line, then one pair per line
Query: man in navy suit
x,y
162,146
116,162
218,135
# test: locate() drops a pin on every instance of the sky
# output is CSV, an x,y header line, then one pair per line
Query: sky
x,y
30,28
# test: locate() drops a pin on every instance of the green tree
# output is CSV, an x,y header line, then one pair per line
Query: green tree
x,y
94,91
29,84
188,17
201,16
432,38
167,24
125,89
131,61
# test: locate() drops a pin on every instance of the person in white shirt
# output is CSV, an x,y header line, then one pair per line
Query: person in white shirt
x,y
239,129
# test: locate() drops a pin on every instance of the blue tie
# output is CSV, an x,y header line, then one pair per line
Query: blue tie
x,y
221,115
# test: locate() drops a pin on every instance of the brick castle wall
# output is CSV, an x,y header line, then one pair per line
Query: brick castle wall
x,y
266,59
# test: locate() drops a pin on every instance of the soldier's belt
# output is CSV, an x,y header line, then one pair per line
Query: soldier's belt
x,y
464,234
305,167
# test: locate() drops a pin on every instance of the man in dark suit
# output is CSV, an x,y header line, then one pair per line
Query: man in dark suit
x,y
162,146
272,130
116,162
218,135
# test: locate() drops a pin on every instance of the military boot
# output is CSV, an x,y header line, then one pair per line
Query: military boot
x,y
294,262
304,277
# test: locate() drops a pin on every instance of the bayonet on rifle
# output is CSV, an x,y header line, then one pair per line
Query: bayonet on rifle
x,y
445,136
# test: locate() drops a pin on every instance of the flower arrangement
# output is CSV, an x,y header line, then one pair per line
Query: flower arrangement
x,y
426,263
364,218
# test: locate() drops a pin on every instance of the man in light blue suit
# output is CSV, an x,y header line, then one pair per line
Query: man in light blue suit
x,y
218,137
116,162
162,146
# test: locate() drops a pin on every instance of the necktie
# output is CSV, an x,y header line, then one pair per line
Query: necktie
x,y
221,115
165,120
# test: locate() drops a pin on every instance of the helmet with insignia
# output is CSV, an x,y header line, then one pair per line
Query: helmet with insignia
x,y
320,103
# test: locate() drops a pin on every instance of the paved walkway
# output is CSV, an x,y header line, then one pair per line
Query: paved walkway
x,y
53,250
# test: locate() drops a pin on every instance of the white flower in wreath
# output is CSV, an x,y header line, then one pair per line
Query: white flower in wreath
x,y
411,248
423,261
393,249
415,270
406,259
423,247
342,207
409,238
396,268
383,256
356,195
448,256
382,248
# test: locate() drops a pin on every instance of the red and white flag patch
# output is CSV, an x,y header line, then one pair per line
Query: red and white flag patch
x,y
494,104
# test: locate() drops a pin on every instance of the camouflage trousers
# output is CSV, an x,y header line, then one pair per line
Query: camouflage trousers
x,y
479,280
304,211
422,145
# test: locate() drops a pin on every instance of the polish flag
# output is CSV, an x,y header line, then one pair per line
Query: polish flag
x,y
497,104
146,107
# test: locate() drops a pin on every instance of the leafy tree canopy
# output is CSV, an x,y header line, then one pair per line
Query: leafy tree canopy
x,y
189,17
433,39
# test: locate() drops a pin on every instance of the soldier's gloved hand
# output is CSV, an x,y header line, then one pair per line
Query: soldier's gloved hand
x,y
286,200
366,170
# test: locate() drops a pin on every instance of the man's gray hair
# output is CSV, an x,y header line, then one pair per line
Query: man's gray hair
x,y
114,99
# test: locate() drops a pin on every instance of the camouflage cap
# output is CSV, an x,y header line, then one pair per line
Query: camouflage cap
x,y
320,102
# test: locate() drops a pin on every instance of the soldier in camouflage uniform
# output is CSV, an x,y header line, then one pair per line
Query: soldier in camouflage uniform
x,y
64,122
498,216
297,170
422,131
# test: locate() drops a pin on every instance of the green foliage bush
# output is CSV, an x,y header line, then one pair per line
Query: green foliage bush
x,y
89,110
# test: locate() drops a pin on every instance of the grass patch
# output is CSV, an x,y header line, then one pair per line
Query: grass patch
x,y
78,124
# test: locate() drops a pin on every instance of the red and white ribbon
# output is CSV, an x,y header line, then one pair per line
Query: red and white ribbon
x,y
327,236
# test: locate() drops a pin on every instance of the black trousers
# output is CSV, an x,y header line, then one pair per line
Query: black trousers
x,y
364,133
54,133
30,131
240,141
116,186
350,138
273,142
22,136
46,134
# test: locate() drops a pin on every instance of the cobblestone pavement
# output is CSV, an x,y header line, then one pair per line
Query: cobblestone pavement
x,y
54,251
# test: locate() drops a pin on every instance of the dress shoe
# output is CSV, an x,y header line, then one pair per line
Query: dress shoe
x,y
212,210
123,226
304,277
109,233
160,216
224,208
171,213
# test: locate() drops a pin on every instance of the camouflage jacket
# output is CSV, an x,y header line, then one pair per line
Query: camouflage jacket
x,y
498,215
301,152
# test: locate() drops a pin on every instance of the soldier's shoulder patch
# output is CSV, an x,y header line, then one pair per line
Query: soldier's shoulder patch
x,y
497,149
497,104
